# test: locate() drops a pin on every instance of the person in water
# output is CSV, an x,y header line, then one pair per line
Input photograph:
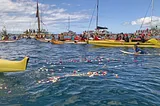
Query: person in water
x,y
138,50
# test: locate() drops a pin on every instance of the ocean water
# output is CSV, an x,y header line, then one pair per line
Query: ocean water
x,y
57,76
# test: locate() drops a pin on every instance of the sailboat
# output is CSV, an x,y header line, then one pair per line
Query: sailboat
x,y
5,36
99,30
114,43
61,37
71,37
66,37
153,28
40,34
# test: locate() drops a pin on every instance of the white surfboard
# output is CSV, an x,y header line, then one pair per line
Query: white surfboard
x,y
132,53
125,52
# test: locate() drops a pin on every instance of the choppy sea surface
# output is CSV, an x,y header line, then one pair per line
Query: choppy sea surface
x,y
56,75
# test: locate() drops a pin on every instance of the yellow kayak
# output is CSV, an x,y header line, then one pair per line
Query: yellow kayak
x,y
111,45
13,66
114,42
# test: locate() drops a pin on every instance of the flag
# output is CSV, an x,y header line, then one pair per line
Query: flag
x,y
36,14
43,22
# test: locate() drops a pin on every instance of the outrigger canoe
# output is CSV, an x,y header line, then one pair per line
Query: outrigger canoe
x,y
112,45
7,41
57,42
13,66
44,40
75,42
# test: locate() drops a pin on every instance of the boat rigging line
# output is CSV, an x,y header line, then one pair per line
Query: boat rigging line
x,y
146,14
92,16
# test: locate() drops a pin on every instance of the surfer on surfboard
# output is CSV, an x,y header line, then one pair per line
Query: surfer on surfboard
x,y
138,50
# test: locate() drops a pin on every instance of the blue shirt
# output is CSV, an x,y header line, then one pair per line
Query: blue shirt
x,y
140,51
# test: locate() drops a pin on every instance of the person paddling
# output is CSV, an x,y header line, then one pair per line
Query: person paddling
x,y
138,50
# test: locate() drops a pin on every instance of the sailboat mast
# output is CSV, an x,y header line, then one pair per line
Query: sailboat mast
x,y
68,23
97,13
152,12
38,18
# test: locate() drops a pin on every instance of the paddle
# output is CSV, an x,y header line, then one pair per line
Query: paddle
x,y
154,41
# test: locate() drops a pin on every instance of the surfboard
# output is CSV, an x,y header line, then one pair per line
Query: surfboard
x,y
125,52
132,53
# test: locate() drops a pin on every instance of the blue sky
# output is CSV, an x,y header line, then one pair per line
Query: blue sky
x,y
117,15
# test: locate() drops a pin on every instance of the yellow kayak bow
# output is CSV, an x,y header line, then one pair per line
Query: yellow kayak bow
x,y
13,66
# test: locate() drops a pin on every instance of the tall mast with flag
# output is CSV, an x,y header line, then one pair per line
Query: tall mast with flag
x,y
38,18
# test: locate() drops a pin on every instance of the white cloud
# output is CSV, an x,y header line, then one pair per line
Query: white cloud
x,y
126,23
50,12
21,15
53,5
145,21
67,4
